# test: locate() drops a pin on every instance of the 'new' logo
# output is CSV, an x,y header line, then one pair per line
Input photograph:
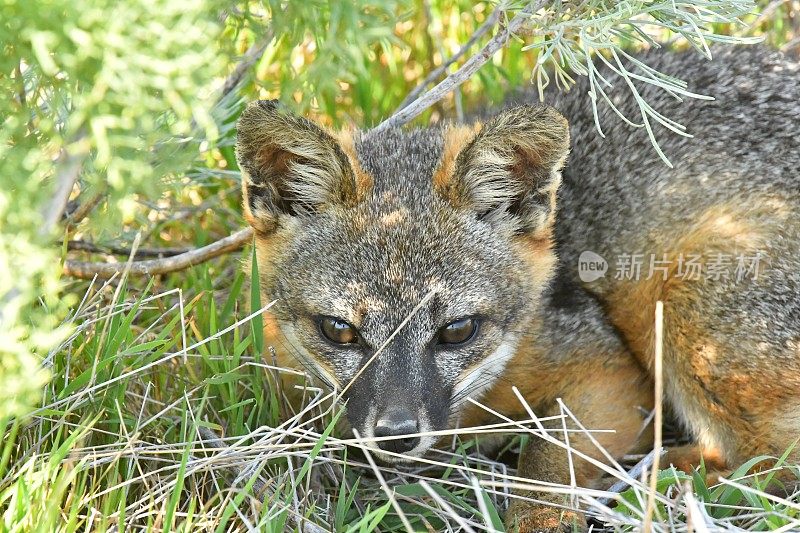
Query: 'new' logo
x,y
591,266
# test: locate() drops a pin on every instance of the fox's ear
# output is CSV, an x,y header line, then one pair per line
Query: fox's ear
x,y
511,168
290,166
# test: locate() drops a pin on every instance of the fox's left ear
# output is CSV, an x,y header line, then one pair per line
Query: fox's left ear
x,y
510,169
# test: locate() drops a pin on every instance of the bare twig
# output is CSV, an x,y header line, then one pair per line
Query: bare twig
x,y
152,267
790,45
634,473
91,247
766,13
21,96
70,167
249,58
81,210
458,77
488,24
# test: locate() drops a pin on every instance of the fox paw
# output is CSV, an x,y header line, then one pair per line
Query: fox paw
x,y
526,518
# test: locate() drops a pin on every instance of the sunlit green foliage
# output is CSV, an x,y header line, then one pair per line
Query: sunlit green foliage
x,y
95,90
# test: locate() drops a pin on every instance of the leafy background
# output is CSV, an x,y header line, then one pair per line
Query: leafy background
x,y
107,387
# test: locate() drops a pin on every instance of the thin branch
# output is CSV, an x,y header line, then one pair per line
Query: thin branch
x,y
153,267
249,58
75,214
766,13
21,77
488,24
85,246
634,473
178,259
794,43
458,77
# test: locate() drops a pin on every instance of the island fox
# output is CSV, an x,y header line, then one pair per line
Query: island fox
x,y
418,268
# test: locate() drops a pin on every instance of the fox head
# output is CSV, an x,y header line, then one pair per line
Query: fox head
x,y
406,264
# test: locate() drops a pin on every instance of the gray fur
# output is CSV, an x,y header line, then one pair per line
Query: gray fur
x,y
619,198
370,263
373,263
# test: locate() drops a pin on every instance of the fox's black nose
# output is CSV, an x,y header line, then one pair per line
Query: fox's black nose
x,y
396,423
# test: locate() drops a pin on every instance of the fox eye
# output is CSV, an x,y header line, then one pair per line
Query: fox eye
x,y
337,331
458,332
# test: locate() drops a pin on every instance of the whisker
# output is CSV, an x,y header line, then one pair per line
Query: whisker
x,y
298,355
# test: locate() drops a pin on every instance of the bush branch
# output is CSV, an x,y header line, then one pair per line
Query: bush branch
x,y
250,57
488,24
169,259
153,267
458,77
86,246
77,212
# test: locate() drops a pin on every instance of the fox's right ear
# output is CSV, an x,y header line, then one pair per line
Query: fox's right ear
x,y
290,166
